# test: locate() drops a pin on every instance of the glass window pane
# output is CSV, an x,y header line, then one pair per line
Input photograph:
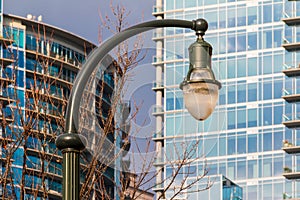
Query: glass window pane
x,y
267,142
231,94
241,93
222,19
241,67
267,68
252,67
278,110
241,170
267,39
252,41
231,18
267,9
241,42
231,145
252,117
252,143
231,69
267,88
277,38
241,144
241,118
278,10
252,92
252,15
231,43
241,16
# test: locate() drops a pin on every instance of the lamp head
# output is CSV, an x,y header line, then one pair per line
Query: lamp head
x,y
200,88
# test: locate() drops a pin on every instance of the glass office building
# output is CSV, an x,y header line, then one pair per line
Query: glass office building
x,y
38,64
254,44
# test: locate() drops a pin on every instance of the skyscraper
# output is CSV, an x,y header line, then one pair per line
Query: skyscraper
x,y
243,139
38,64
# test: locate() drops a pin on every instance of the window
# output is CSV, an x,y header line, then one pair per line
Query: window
x,y
267,141
267,167
169,101
241,93
278,10
222,44
170,126
241,42
252,92
241,16
252,15
241,169
252,41
252,143
267,9
267,66
241,67
189,4
231,43
212,19
231,145
241,144
222,19
267,39
222,146
231,119
278,112
267,90
241,118
267,115
231,18
278,137
178,4
278,62
252,117
277,38
252,67
179,125
231,69
210,147
231,94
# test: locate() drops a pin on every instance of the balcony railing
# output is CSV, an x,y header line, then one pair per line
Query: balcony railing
x,y
290,70
291,94
291,120
288,173
291,46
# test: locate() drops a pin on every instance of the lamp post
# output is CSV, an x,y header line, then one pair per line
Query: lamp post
x,y
200,90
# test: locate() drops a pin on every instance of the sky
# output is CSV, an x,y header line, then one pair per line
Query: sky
x,y
78,16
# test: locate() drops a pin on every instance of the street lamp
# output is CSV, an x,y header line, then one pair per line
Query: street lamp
x,y
200,90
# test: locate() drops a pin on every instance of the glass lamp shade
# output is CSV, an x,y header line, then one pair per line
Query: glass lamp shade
x,y
200,98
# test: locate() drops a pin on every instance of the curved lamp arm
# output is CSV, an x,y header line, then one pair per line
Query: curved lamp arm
x,y
99,53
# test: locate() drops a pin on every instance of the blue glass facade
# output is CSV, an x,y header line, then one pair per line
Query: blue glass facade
x,y
243,138
38,64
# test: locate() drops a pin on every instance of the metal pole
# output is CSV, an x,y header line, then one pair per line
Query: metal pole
x,y
70,142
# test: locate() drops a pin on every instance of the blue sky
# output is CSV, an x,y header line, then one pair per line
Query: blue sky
x,y
77,16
